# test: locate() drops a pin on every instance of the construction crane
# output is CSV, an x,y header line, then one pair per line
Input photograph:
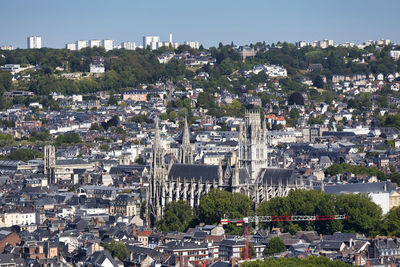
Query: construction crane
x,y
287,218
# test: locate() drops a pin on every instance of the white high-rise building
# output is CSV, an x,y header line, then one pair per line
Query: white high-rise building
x,y
70,46
93,43
128,45
81,44
193,44
108,44
151,41
34,42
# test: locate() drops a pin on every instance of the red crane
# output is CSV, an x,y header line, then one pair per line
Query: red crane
x,y
286,218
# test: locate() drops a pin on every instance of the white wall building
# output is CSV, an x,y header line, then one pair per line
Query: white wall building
x,y
128,45
395,54
34,42
94,43
151,41
192,44
9,219
108,44
97,68
70,46
81,44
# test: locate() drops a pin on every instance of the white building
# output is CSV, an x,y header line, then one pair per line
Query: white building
x,y
271,70
128,45
70,46
34,42
395,54
9,219
81,44
192,44
108,44
97,68
151,41
94,43
7,47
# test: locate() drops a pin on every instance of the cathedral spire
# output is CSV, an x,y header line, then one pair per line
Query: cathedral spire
x,y
186,153
186,137
157,134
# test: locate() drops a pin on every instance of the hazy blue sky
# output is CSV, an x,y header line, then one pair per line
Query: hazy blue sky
x,y
209,22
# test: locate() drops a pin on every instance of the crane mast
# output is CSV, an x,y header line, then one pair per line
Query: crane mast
x,y
286,218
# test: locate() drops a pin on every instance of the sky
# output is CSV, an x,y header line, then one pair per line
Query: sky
x,y
208,21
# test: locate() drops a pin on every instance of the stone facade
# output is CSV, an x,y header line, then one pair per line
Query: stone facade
x,y
249,175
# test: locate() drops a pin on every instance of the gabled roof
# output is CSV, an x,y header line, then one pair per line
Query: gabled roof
x,y
278,176
145,233
189,171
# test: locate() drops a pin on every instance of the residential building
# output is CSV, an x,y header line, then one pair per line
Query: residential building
x,y
192,44
94,43
128,45
108,44
151,41
395,54
71,46
97,68
81,44
34,42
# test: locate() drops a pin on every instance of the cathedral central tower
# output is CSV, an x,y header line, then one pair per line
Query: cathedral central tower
x,y
253,152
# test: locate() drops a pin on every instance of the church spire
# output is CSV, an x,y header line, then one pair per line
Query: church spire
x,y
157,138
186,153
186,137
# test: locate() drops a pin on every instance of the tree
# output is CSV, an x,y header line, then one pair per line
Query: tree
x,y
392,222
40,136
219,203
177,217
172,115
113,122
395,177
296,99
164,116
104,147
252,252
95,127
117,249
24,154
67,138
275,245
363,215
318,82
294,113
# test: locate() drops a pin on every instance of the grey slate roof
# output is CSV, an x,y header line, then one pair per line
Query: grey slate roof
x,y
359,188
276,176
189,171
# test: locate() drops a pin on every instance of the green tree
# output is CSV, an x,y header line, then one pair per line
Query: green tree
x,y
172,115
104,147
275,245
294,113
164,116
395,177
177,217
252,252
219,203
67,139
117,249
24,154
392,222
363,215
